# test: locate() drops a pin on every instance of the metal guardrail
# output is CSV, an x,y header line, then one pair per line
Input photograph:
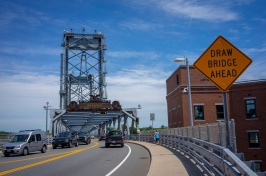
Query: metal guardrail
x,y
206,144
49,138
212,158
214,133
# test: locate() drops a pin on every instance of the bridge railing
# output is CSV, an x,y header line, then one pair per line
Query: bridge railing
x,y
49,138
214,133
205,145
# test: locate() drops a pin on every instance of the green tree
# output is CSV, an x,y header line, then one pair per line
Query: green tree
x,y
134,130
3,132
163,127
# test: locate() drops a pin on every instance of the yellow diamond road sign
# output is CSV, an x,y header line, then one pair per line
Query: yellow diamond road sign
x,y
222,63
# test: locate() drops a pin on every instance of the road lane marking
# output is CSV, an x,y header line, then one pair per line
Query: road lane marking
x,y
112,171
14,161
48,160
38,157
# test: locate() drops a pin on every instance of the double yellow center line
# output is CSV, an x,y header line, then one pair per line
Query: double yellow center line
x,y
45,161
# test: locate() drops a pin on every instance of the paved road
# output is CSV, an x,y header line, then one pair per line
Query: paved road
x,y
93,159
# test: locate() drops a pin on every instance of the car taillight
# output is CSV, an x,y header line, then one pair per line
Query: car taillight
x,y
122,137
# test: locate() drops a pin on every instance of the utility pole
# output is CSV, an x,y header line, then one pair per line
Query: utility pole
x,y
46,108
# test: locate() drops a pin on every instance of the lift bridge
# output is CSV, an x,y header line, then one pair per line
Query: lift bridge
x,y
83,95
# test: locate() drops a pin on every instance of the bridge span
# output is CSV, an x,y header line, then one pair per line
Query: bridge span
x,y
84,105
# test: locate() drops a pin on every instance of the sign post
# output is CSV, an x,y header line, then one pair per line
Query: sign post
x,y
152,118
222,63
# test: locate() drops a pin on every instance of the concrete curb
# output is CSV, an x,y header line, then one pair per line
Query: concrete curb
x,y
142,146
165,161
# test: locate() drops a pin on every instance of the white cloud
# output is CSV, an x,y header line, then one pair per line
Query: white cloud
x,y
13,13
27,50
23,97
198,10
202,10
142,86
132,54
255,50
245,2
137,24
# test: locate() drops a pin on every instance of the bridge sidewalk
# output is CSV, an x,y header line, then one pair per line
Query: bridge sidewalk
x,y
168,162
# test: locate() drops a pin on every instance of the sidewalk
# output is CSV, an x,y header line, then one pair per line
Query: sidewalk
x,y
168,162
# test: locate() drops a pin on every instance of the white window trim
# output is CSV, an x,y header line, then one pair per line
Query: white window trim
x,y
249,98
250,131
198,104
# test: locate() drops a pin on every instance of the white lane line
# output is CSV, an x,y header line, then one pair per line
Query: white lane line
x,y
112,171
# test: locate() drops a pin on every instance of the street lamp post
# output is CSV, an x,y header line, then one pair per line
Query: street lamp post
x,y
46,108
188,87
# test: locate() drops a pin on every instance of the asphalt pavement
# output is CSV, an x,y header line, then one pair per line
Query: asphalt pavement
x,y
167,162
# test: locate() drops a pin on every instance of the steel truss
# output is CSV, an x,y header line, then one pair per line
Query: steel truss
x,y
83,67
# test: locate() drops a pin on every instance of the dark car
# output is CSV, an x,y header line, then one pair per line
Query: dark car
x,y
63,139
114,137
84,137
102,137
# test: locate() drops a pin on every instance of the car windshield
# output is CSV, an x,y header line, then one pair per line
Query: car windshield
x,y
115,133
20,138
64,135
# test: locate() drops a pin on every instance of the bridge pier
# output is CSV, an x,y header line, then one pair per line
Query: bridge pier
x,y
132,126
119,122
125,132
114,121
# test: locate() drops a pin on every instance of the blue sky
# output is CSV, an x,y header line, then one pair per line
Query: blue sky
x,y
143,38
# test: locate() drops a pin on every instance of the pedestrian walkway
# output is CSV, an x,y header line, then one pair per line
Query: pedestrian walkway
x,y
168,162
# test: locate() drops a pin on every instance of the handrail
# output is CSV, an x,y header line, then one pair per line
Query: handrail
x,y
212,158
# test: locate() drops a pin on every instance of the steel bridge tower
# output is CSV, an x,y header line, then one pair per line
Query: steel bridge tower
x,y
83,67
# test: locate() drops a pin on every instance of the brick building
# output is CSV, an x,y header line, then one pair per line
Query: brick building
x,y
207,100
245,102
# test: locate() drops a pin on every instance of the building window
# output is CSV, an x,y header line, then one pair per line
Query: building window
x,y
251,108
253,138
220,112
199,112
177,80
257,165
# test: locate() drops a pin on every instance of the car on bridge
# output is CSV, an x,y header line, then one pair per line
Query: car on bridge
x,y
84,137
102,137
114,137
66,138
26,141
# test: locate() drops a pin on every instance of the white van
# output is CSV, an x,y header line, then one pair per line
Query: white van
x,y
26,141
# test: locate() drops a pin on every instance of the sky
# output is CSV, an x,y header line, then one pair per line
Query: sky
x,y
143,38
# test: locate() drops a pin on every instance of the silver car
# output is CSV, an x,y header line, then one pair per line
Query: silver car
x,y
26,141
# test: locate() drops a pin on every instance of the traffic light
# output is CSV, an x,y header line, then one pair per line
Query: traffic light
x,y
103,112
137,120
